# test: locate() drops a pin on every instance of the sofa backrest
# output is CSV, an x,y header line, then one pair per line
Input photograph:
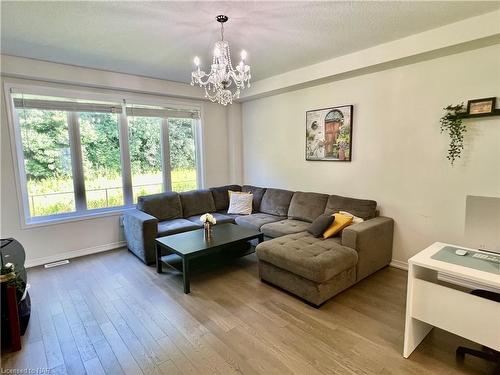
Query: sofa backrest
x,y
276,202
257,192
163,206
363,208
221,195
307,206
197,202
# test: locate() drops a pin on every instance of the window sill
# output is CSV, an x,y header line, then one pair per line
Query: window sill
x,y
43,221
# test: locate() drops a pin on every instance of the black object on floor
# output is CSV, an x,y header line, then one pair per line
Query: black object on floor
x,y
11,251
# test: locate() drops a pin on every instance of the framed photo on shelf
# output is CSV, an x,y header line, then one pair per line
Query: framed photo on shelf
x,y
481,106
329,134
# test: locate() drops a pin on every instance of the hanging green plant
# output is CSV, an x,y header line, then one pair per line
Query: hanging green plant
x,y
451,122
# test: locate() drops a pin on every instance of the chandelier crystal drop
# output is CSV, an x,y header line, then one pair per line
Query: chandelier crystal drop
x,y
223,83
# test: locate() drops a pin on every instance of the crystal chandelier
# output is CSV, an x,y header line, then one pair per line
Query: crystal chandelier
x,y
223,83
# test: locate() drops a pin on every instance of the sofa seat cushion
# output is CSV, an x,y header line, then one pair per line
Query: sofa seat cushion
x,y
276,202
255,221
221,195
221,218
163,206
197,202
284,227
169,227
313,258
224,212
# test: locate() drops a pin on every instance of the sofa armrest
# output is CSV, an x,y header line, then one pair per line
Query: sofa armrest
x,y
372,239
141,229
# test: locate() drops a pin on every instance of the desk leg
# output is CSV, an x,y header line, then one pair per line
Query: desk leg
x,y
158,259
185,274
415,330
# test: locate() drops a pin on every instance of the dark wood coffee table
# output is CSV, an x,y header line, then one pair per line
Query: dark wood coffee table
x,y
192,244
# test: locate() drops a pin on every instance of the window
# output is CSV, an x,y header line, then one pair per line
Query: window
x,y
47,161
79,156
100,142
182,154
145,155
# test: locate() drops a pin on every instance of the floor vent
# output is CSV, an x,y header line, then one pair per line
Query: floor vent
x,y
55,264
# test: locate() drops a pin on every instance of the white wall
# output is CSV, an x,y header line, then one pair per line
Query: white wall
x,y
235,143
399,155
61,241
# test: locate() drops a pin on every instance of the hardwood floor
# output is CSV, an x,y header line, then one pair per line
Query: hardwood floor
x,y
111,314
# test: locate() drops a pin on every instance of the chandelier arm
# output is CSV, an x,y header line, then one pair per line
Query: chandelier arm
x,y
199,80
237,77
201,74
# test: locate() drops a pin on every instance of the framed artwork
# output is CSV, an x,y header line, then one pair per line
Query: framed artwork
x,y
329,134
481,106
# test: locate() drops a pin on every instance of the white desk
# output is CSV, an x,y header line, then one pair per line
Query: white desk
x,y
429,304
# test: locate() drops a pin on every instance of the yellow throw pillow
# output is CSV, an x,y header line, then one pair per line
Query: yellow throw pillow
x,y
355,219
341,221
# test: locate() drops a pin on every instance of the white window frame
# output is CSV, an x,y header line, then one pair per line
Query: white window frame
x,y
26,221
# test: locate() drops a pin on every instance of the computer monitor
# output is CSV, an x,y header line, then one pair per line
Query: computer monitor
x,y
482,223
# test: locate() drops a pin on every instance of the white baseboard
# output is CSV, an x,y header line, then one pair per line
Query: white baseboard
x,y
73,254
399,264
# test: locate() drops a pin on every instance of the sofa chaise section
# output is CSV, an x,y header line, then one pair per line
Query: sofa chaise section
x,y
312,268
316,269
284,227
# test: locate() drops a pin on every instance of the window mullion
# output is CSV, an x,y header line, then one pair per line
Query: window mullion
x,y
76,161
23,179
198,154
165,156
128,197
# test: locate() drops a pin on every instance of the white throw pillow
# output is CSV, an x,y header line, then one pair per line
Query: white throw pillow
x,y
355,219
240,203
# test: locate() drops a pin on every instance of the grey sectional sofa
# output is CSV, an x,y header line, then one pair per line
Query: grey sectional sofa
x,y
315,269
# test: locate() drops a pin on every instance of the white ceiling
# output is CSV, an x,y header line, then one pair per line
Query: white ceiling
x,y
160,39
